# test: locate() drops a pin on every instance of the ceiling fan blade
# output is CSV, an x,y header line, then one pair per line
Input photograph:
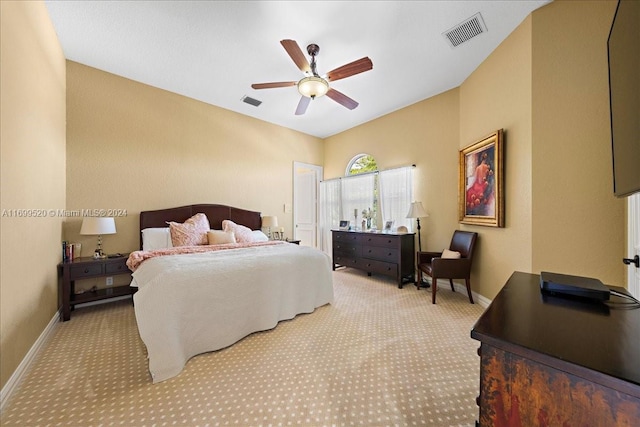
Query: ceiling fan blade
x,y
352,68
272,85
342,99
296,54
302,105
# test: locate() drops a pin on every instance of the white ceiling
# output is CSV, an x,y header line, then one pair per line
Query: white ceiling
x,y
213,51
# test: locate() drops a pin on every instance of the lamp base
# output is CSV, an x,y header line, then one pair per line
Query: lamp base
x,y
98,254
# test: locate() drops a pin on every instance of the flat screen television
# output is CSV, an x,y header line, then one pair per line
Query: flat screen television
x,y
623,48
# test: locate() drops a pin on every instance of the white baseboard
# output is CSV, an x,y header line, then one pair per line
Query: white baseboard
x,y
462,288
15,379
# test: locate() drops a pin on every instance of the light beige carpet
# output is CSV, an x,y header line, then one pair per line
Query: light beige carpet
x,y
378,356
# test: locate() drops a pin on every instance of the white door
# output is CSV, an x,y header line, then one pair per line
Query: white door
x,y
306,182
633,230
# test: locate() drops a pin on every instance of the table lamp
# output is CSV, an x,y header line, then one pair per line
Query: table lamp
x,y
417,211
97,226
268,222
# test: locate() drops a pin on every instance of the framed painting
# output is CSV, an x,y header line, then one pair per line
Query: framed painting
x,y
481,182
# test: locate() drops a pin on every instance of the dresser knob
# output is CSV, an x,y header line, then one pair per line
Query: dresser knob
x,y
86,270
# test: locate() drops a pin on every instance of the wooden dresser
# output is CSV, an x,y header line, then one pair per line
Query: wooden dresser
x,y
552,361
389,254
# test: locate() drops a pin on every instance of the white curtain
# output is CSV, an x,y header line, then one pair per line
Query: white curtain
x,y
396,192
340,199
357,195
330,213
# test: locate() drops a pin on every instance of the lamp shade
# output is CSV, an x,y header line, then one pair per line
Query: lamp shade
x,y
417,211
269,221
313,87
94,226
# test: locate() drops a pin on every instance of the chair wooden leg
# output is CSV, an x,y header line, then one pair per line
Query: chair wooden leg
x,y
469,289
451,282
434,288
419,282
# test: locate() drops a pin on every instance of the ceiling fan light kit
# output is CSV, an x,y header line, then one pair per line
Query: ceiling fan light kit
x,y
313,86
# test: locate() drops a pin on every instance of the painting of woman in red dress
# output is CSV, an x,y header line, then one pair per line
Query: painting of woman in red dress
x,y
480,193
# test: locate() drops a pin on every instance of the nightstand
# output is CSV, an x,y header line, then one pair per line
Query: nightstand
x,y
86,268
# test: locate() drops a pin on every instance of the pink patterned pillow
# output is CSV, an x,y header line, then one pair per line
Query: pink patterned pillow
x,y
192,232
243,234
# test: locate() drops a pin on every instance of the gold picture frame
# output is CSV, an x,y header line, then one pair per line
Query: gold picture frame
x,y
481,182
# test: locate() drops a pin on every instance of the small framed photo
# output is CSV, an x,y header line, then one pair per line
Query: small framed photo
x,y
388,225
344,225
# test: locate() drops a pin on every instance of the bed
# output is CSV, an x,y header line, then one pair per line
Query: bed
x,y
191,303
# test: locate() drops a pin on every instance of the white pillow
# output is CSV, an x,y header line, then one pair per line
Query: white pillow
x,y
450,254
156,238
219,237
258,236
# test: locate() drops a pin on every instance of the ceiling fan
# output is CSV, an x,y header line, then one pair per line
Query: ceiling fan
x,y
313,85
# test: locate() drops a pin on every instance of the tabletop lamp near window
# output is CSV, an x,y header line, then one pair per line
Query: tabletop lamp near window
x,y
97,226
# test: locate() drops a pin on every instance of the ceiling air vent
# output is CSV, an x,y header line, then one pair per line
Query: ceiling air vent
x,y
465,30
251,101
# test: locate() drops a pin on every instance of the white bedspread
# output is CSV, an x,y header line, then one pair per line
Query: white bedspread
x,y
194,303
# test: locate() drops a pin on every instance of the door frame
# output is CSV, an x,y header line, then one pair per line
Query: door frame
x,y
319,171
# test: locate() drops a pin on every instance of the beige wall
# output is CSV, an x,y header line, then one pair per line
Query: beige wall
x,y
135,147
424,134
32,156
578,225
498,96
546,86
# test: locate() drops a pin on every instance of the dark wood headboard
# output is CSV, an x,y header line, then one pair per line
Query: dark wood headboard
x,y
215,213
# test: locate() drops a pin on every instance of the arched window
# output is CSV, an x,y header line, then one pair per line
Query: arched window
x,y
361,163
362,193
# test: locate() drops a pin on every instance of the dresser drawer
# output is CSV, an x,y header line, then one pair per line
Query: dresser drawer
x,y
346,248
85,270
381,267
117,267
345,260
380,240
380,253
345,236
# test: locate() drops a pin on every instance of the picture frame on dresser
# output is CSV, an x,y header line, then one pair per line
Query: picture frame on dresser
x,y
344,225
481,182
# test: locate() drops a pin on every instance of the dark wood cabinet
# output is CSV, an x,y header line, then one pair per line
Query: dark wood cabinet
x,y
389,254
547,360
86,268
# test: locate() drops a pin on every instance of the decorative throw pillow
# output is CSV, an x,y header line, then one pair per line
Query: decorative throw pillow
x,y
243,234
450,254
190,233
219,237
